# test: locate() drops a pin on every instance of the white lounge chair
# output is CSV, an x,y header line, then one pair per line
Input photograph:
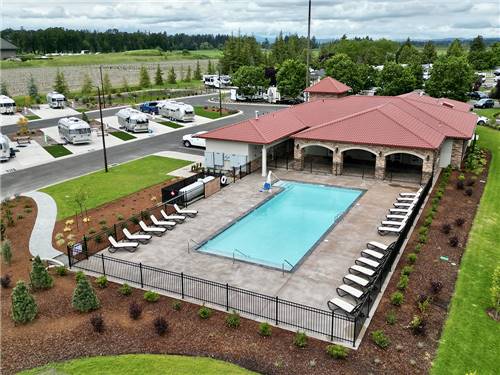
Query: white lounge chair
x,y
362,270
354,279
345,289
362,261
374,254
404,205
338,303
142,238
398,217
177,218
393,223
418,192
185,211
407,199
153,230
113,245
407,210
377,245
160,223
383,230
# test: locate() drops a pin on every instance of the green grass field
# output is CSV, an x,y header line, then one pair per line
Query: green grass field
x,y
137,56
120,181
488,112
57,150
170,124
200,111
138,364
32,117
470,337
124,136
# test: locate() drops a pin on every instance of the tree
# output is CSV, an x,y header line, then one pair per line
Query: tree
x,y
418,73
210,68
84,297
125,86
408,54
429,53
455,49
238,51
197,72
451,77
495,54
144,80
6,252
106,83
33,89
24,307
495,292
158,76
81,195
396,79
87,86
248,79
181,73
172,78
3,89
85,117
188,74
343,69
291,78
479,57
40,278
60,84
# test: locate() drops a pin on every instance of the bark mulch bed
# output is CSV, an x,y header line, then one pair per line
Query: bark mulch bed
x,y
59,333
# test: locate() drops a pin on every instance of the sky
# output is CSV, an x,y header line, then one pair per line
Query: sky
x,y
395,19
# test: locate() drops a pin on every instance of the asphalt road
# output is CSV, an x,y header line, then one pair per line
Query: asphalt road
x,y
47,174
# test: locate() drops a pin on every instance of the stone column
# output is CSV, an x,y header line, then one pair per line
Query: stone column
x,y
380,166
427,166
264,161
337,163
298,156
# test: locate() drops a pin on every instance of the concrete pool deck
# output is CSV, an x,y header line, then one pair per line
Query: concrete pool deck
x,y
313,283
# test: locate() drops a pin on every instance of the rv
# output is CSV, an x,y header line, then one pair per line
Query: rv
x,y
133,120
7,105
74,130
272,95
56,100
209,79
176,111
6,152
214,80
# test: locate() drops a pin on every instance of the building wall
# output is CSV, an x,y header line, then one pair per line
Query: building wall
x,y
7,54
445,153
318,96
458,152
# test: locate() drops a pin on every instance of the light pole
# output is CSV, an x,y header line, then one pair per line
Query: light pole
x,y
220,96
308,58
102,131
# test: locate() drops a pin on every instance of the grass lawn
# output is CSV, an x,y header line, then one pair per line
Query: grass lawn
x,y
470,337
32,117
138,364
200,111
121,180
122,135
57,150
170,124
488,112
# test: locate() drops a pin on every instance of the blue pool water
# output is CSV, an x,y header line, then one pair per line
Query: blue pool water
x,y
282,230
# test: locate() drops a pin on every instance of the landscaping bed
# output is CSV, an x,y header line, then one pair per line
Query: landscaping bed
x,y
57,151
212,112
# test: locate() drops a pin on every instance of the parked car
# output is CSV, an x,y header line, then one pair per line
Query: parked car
x,y
478,95
149,107
482,120
190,140
497,72
484,103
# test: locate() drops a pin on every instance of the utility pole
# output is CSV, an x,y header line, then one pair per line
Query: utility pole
x,y
102,132
220,96
308,59
102,89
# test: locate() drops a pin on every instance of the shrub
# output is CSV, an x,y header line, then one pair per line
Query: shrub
x,y
24,308
102,222
204,312
265,329
436,286
102,282
98,238
390,318
460,185
453,241
84,298
160,324
177,305
135,220
5,281
469,182
418,247
380,339
151,296
337,351
61,271
422,238
28,210
397,298
20,217
6,250
91,230
423,231
300,339
40,278
411,258
468,192
233,320
97,323
428,220
417,325
407,270
403,282
119,217
134,310
461,177
459,221
125,290
495,292
446,228
423,304
144,215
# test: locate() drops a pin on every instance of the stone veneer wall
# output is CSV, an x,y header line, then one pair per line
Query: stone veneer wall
x,y
458,149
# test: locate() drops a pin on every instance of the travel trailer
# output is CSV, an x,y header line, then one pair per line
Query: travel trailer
x,y
74,130
214,80
176,111
6,152
272,95
7,105
56,100
133,120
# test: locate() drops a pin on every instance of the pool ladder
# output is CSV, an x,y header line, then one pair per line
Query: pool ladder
x,y
241,252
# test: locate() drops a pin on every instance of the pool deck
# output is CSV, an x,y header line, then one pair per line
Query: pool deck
x,y
314,280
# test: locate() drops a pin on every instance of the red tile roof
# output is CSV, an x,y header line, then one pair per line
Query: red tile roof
x,y
402,121
328,85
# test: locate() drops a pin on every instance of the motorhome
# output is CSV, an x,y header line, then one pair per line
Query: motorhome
x,y
176,111
133,120
74,130
56,100
7,105
6,152
272,95
214,80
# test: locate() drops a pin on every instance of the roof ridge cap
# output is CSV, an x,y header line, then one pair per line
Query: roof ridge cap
x,y
254,125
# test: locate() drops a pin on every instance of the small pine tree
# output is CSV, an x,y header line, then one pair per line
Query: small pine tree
x,y
210,68
3,89
197,72
6,252
40,278
106,83
188,75
33,89
144,80
158,76
172,78
87,86
85,117
84,297
125,86
24,307
60,84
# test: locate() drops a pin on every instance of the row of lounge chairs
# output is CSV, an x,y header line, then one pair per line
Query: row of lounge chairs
x,y
145,234
399,215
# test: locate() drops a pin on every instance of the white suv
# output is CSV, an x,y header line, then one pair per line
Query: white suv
x,y
190,140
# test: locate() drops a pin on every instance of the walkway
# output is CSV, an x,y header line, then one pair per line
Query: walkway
x,y
41,237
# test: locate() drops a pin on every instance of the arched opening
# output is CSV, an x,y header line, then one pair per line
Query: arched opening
x,y
318,159
404,167
358,162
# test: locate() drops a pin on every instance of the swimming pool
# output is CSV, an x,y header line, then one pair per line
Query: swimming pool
x,y
282,230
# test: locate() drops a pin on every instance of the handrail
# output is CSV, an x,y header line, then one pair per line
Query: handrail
x,y
190,239
291,265
242,253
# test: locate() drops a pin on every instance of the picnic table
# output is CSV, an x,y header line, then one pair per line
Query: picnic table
x,y
23,140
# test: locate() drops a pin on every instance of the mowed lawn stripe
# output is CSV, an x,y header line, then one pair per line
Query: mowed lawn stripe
x,y
470,337
120,181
